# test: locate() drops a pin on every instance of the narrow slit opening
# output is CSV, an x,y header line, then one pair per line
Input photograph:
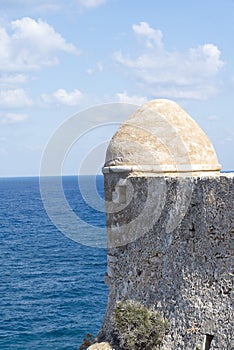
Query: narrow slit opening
x,y
207,341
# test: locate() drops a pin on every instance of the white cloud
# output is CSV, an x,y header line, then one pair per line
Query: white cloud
x,y
32,7
12,79
90,71
62,97
99,68
48,7
14,98
153,36
31,44
213,117
91,3
196,92
12,118
135,100
189,74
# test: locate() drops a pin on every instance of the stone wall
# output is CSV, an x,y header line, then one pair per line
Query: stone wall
x,y
171,248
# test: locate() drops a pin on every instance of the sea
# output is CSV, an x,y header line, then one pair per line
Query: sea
x,y
52,290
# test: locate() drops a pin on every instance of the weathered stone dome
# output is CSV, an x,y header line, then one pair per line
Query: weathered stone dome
x,y
161,138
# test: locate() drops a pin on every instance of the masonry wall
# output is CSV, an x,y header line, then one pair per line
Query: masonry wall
x,y
171,248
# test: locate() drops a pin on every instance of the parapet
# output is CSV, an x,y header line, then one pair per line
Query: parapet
x,y
160,138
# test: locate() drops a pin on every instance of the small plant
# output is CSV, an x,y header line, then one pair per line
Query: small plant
x,y
89,340
137,327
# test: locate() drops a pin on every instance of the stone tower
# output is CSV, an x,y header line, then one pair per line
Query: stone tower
x,y
169,227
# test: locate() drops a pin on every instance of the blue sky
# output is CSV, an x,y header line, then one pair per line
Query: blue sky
x,y
58,58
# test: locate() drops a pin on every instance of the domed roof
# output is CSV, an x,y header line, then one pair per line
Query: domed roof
x,y
161,138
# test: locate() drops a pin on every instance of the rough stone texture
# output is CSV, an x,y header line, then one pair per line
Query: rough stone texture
x,y
160,137
176,257
100,346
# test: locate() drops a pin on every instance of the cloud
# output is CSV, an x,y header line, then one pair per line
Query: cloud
x,y
30,45
29,6
153,36
135,100
12,118
213,117
12,79
189,74
91,3
48,7
62,97
99,68
90,71
14,98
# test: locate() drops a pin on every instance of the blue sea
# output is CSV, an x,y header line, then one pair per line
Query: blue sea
x,y
52,290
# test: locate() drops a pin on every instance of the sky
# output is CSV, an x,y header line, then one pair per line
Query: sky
x,y
60,58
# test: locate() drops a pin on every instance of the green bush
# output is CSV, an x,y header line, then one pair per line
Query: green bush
x,y
137,327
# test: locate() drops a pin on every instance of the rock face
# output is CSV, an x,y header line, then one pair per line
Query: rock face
x,y
170,229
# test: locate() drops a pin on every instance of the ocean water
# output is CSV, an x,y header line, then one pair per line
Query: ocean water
x,y
52,290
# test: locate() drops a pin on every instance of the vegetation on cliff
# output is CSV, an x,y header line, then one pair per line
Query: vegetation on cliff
x,y
138,327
